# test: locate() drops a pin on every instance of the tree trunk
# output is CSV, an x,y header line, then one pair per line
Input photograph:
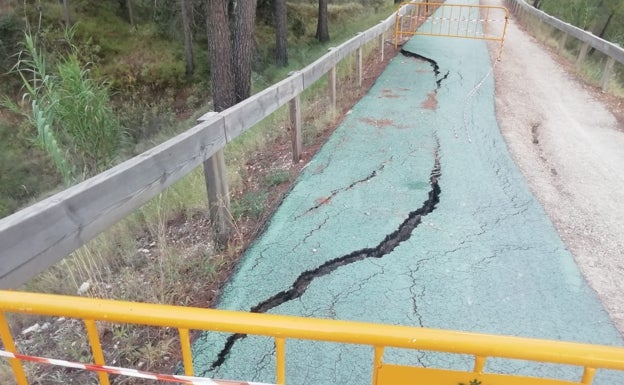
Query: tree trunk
x,y
131,14
603,31
322,26
244,47
537,3
606,25
66,13
188,38
220,55
281,34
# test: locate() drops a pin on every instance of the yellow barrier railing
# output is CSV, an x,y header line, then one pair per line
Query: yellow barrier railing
x,y
282,328
451,20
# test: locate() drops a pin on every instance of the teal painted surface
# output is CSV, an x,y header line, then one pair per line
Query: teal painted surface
x,y
486,259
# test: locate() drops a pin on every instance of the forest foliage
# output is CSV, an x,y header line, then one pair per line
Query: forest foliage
x,y
604,18
129,60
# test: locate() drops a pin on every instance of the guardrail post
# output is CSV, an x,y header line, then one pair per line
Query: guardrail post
x,y
562,42
215,173
526,16
359,71
582,55
540,28
382,41
331,78
606,74
295,127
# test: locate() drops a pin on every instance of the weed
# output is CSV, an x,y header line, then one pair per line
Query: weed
x,y
250,205
89,136
277,177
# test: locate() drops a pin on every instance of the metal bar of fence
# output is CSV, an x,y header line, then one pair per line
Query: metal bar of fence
x,y
592,356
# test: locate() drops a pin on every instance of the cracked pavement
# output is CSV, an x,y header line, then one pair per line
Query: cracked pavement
x,y
480,256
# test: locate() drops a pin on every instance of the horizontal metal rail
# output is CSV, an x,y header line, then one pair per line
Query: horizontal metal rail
x,y
283,328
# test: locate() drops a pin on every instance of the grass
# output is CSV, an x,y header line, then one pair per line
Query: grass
x,y
164,252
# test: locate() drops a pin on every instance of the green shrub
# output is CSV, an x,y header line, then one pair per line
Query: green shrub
x,y
250,205
71,113
25,171
10,38
91,129
278,177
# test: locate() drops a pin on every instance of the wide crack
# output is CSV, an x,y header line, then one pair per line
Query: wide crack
x,y
434,65
385,247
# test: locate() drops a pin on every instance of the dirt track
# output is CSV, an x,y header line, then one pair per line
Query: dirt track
x,y
570,148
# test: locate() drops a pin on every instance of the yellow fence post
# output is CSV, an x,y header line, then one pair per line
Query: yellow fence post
x,y
9,345
588,376
96,349
280,354
185,346
479,364
377,362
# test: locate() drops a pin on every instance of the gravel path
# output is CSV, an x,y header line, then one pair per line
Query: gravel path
x,y
570,149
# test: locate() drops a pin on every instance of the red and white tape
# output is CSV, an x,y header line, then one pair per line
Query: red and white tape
x,y
126,372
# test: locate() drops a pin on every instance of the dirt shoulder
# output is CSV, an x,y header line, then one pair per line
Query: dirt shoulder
x,y
568,140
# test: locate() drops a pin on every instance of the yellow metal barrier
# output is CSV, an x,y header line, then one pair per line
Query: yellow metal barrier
x,y
282,328
451,20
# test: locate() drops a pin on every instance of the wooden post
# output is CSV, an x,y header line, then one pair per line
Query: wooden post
x,y
295,127
359,70
606,74
331,78
381,45
582,55
562,43
215,173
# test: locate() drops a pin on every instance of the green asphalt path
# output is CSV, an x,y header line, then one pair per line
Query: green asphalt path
x,y
420,150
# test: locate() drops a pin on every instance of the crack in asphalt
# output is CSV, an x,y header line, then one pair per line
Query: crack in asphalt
x,y
385,247
328,199
434,65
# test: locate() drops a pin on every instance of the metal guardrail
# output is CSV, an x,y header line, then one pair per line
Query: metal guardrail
x,y
284,328
613,51
38,236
